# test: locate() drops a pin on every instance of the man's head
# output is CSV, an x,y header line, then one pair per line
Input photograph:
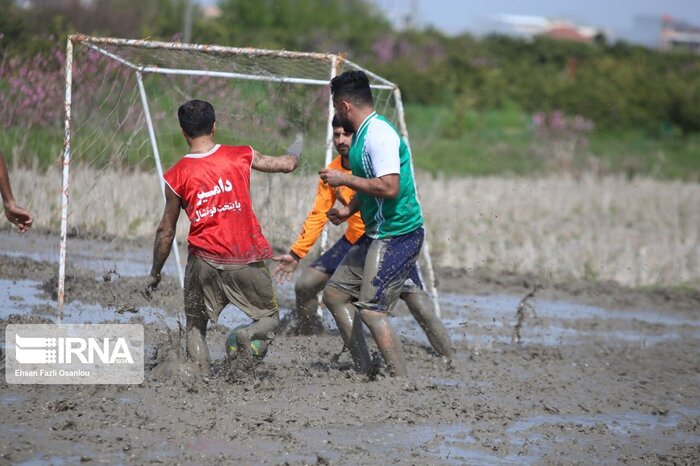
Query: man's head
x,y
352,98
197,118
341,138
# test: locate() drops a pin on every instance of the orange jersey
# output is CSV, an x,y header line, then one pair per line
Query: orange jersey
x,y
316,220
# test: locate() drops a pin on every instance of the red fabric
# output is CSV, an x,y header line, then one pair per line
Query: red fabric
x,y
215,192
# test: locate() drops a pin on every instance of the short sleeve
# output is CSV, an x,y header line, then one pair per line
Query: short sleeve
x,y
252,156
382,143
172,179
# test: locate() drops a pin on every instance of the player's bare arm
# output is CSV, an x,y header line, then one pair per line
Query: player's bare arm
x,y
386,186
274,164
165,234
280,164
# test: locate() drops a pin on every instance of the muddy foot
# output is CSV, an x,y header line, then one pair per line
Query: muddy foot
x,y
241,368
308,326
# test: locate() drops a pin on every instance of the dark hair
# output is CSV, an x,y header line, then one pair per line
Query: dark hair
x,y
336,122
196,118
352,86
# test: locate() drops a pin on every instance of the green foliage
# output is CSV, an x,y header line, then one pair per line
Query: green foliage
x,y
11,24
307,25
470,100
618,86
633,152
479,143
40,146
504,142
28,31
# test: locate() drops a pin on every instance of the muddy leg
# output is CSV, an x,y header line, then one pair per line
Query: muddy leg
x,y
197,350
388,344
421,307
344,313
263,329
307,289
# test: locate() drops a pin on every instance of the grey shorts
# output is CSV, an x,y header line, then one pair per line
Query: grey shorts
x,y
210,287
375,271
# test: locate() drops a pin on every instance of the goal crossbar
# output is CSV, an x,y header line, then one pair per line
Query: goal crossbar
x,y
377,81
224,74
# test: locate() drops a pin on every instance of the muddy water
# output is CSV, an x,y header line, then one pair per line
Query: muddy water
x,y
586,384
480,322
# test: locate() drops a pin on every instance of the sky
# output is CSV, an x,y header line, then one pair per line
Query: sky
x,y
475,16
455,16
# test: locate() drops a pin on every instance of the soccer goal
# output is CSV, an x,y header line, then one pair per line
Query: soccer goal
x,y
121,132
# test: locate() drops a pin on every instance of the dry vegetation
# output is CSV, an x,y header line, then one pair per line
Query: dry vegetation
x,y
636,232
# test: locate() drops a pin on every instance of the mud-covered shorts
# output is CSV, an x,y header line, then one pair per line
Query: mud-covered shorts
x,y
209,287
329,261
374,271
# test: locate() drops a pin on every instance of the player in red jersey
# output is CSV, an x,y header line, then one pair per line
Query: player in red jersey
x,y
227,248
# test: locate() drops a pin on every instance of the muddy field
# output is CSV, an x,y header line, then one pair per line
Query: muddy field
x,y
602,374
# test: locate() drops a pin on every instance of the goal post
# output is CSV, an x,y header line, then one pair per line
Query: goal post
x,y
121,98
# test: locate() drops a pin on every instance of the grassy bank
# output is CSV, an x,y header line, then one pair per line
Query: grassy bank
x,y
463,142
445,141
637,232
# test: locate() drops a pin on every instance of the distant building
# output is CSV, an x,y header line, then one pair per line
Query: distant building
x,y
28,4
678,35
519,25
664,33
568,31
528,27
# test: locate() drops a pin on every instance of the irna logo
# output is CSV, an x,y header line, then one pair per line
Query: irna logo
x,y
69,350
74,353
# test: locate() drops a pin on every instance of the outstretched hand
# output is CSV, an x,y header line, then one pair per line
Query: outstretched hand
x,y
338,215
19,217
151,285
286,267
296,147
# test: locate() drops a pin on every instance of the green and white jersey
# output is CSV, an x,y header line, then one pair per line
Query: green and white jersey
x,y
378,150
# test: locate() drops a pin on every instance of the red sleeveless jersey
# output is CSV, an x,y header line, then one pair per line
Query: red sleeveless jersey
x,y
215,192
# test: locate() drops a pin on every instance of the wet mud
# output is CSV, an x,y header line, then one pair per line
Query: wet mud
x,y
597,374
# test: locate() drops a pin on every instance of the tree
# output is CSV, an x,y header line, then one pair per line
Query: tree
x,y
306,25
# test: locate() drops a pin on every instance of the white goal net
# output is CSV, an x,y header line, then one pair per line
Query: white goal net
x,y
122,132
